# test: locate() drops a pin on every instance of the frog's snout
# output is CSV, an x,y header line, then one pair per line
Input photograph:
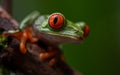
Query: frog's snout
x,y
86,31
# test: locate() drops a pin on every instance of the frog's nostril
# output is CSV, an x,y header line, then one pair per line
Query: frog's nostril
x,y
86,31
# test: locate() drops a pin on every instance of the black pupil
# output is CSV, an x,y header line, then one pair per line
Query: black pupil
x,y
55,19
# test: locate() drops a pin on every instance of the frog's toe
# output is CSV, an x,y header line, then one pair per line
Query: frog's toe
x,y
46,55
52,61
22,48
33,40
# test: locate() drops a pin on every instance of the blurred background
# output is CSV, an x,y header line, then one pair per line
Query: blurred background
x,y
99,54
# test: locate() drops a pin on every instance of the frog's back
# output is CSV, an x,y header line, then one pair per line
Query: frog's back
x,y
41,22
28,20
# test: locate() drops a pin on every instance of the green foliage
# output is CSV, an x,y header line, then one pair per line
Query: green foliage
x,y
3,42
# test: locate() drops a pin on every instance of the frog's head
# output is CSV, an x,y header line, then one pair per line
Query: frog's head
x,y
55,28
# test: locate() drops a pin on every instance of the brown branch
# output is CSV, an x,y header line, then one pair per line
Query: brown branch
x,y
29,63
7,5
6,21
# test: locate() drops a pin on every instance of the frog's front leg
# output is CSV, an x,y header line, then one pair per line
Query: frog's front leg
x,y
23,42
23,36
27,35
28,32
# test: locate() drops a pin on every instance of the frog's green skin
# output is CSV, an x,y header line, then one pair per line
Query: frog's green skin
x,y
70,33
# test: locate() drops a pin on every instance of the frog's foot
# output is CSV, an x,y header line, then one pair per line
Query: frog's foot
x,y
23,36
27,35
20,36
52,56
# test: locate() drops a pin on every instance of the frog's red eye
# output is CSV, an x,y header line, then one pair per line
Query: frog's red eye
x,y
56,21
86,30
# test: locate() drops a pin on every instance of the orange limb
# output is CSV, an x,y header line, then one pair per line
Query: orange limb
x,y
47,55
23,42
23,36
52,54
53,61
17,35
30,36
27,35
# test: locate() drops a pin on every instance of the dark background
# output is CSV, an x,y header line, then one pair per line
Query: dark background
x,y
99,54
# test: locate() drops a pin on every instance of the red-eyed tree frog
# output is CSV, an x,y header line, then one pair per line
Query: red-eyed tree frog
x,y
52,29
